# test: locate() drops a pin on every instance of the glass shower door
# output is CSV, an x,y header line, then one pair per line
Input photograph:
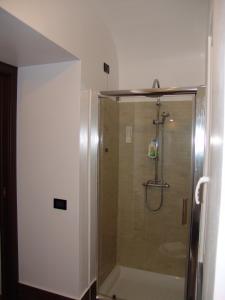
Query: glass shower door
x,y
143,230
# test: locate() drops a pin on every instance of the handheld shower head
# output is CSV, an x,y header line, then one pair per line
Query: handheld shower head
x,y
165,114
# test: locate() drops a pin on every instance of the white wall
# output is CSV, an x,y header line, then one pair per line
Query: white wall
x,y
56,248
84,217
57,158
179,71
214,262
48,167
164,39
93,180
76,26
88,188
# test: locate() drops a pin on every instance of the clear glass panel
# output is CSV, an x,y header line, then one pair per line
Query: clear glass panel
x,y
108,187
143,253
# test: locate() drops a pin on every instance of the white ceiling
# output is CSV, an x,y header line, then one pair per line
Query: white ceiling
x,y
151,28
20,45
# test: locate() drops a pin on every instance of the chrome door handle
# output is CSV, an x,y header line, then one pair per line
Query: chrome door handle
x,y
201,181
184,211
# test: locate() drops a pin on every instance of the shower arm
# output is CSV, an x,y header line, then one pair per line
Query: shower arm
x,y
156,84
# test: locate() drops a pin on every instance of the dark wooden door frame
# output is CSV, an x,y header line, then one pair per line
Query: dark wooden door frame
x,y
8,207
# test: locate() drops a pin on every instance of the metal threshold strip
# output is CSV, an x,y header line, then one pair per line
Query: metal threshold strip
x,y
154,92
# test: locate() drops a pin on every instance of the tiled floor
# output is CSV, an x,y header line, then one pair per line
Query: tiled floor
x,y
132,284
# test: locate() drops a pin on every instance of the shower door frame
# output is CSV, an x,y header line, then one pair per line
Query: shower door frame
x,y
197,166
194,278
112,98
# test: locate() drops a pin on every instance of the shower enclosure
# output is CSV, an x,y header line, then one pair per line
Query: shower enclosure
x,y
150,158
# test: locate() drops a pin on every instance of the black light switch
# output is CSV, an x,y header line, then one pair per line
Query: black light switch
x,y
60,204
106,68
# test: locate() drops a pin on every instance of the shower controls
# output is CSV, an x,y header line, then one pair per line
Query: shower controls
x,y
152,183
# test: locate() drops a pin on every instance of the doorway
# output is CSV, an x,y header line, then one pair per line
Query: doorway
x,y
8,202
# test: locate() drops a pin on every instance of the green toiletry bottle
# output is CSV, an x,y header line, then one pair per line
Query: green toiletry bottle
x,y
152,149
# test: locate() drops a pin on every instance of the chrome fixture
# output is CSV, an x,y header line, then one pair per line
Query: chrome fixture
x,y
164,115
156,84
156,182
153,183
153,92
184,211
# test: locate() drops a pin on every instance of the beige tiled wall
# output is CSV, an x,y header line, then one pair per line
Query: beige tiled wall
x,y
130,234
147,240
108,187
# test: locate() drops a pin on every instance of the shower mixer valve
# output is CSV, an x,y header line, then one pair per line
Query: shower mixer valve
x,y
153,183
